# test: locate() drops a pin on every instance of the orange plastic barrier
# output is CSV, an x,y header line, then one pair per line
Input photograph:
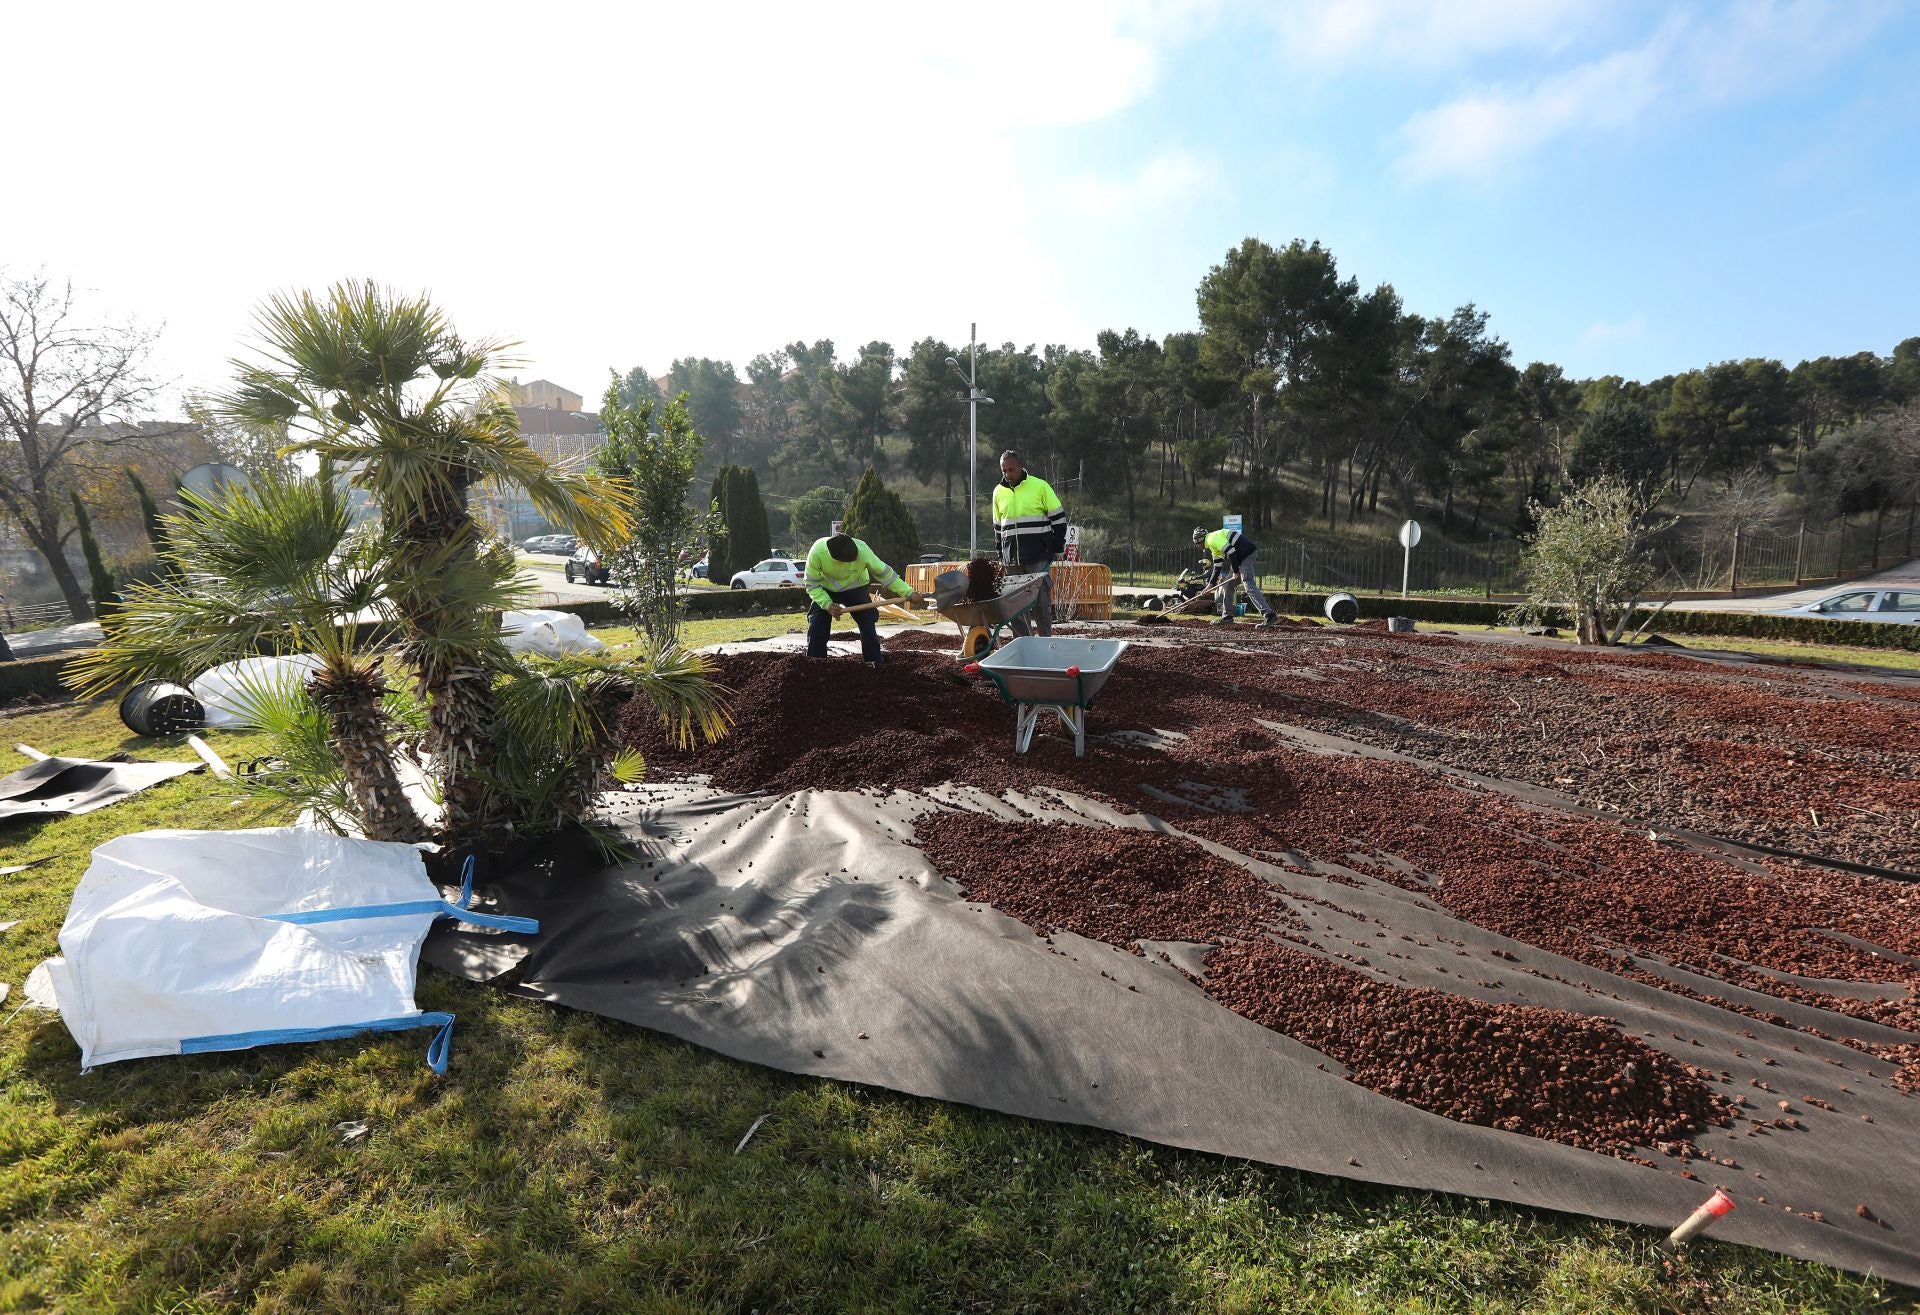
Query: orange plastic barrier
x,y
1086,586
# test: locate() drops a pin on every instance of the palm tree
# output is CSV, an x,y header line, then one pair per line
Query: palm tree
x,y
377,385
270,568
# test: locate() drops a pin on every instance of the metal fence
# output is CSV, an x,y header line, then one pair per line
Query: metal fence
x,y
1432,568
35,616
1692,560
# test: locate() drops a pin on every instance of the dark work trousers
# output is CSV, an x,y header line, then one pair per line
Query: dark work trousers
x,y
1043,606
820,620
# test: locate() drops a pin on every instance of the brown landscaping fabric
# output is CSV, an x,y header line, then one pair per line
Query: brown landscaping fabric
x,y
56,787
807,933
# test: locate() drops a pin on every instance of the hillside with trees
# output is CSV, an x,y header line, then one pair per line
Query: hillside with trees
x,y
1319,408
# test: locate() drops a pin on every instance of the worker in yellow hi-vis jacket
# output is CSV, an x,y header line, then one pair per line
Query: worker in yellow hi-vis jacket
x,y
1032,528
840,569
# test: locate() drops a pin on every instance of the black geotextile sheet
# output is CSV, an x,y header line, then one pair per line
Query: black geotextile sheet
x,y
59,786
806,934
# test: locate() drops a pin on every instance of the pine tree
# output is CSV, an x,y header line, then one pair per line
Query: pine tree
x,y
751,540
149,512
720,567
876,514
742,540
104,594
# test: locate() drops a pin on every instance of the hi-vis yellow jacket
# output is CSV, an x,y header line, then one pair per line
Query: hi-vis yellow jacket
x,y
1028,520
824,573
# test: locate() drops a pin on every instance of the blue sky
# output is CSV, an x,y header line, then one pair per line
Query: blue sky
x,y
1626,187
1690,184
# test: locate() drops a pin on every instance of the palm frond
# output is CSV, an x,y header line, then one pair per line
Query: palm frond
x,y
680,684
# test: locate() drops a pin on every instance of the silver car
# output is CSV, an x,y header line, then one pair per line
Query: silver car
x,y
1896,606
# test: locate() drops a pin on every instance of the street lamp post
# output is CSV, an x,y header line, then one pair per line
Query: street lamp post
x,y
974,398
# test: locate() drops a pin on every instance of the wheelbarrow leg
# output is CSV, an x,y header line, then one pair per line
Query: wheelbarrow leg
x,y
1076,719
1025,717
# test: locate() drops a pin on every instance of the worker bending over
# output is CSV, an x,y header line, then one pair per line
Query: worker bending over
x,y
839,570
1032,528
1233,553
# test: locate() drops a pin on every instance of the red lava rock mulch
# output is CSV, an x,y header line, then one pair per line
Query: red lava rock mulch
x,y
1519,1068
1589,890
983,579
1119,885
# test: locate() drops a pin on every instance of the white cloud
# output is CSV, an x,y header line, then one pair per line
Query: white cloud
x,y
1744,52
614,185
1175,179
1427,35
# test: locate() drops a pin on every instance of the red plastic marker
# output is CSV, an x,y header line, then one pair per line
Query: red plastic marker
x,y
1718,1204
972,668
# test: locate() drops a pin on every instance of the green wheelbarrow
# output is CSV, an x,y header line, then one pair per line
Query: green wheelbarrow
x,y
1036,673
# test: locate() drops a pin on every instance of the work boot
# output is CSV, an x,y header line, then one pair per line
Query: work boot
x,y
1222,621
1270,619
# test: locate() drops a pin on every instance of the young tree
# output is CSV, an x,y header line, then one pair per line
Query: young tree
x,y
876,514
65,386
1588,557
657,466
637,386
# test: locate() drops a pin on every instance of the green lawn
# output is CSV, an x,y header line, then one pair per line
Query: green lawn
x,y
568,1163
1890,659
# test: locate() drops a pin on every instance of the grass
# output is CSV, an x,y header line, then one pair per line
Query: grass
x,y
570,1163
1883,658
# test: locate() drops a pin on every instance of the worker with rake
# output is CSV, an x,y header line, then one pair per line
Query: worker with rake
x,y
840,570
1233,554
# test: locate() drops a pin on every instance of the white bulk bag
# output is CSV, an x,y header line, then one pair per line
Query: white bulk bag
x,y
181,942
228,690
550,634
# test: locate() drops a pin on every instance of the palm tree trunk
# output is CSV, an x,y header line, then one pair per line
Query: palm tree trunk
x,y
360,732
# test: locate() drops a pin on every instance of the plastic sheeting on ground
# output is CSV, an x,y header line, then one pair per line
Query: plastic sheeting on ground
x,y
547,633
56,787
229,691
807,933
182,942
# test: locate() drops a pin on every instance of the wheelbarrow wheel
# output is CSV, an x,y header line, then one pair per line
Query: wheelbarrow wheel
x,y
977,643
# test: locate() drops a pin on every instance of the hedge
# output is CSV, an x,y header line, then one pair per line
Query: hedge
x,y
1672,621
29,677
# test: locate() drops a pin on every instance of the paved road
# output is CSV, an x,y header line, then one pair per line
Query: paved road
x,y
1904,575
547,573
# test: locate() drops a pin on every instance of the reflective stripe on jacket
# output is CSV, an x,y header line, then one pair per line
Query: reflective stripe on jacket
x,y
1231,547
825,575
1028,515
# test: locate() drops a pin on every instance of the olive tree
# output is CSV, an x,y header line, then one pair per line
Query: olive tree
x,y
1589,558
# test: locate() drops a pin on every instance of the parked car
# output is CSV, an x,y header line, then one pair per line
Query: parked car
x,y
1898,606
932,558
772,571
557,544
698,571
585,564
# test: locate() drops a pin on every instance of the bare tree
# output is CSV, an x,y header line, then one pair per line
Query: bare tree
x,y
66,386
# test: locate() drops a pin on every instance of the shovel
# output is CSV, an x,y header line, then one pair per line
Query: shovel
x,y
1160,618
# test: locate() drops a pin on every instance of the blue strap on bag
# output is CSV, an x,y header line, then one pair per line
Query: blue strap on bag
x,y
441,1045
